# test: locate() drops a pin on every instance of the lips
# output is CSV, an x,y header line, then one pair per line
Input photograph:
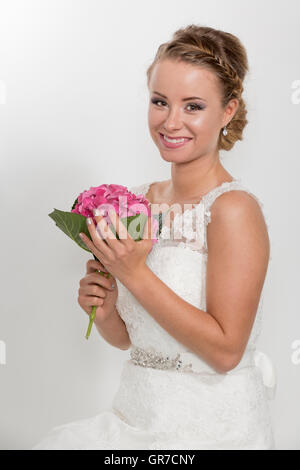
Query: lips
x,y
171,145
175,137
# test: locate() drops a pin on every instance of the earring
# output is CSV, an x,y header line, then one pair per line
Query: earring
x,y
225,132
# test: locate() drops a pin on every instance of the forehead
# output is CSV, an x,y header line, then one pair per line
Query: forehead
x,y
172,77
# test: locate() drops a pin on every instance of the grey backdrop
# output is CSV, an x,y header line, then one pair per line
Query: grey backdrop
x,y
73,114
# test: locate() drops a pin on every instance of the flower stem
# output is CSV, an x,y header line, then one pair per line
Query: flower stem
x,y
94,308
92,318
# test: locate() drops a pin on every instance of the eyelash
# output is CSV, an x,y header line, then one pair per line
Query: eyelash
x,y
198,106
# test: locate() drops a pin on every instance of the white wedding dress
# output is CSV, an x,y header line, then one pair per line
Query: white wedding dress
x,y
163,403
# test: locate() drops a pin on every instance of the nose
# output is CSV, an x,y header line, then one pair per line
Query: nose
x,y
173,120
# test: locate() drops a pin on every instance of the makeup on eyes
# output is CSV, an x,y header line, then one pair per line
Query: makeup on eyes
x,y
198,107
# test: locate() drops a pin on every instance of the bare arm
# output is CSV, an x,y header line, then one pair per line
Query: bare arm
x,y
238,246
114,331
95,289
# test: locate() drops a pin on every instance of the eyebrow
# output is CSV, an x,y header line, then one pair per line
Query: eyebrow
x,y
184,99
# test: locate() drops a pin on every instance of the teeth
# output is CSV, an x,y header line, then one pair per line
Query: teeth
x,y
174,141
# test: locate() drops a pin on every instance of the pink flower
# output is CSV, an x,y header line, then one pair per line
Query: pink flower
x,y
118,198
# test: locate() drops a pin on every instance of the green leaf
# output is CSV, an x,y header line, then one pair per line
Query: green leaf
x,y
71,224
159,218
75,202
135,225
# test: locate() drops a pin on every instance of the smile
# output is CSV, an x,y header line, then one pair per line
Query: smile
x,y
173,143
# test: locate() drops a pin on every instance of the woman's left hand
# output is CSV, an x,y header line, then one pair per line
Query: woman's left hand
x,y
123,258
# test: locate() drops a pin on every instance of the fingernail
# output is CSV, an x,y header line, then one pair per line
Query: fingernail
x,y
98,212
88,220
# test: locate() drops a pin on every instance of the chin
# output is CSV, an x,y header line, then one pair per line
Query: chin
x,y
172,157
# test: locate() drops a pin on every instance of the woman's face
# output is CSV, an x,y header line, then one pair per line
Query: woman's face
x,y
199,118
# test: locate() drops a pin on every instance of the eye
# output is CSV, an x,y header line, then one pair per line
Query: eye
x,y
197,107
155,101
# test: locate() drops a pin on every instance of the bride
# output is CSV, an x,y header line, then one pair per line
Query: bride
x,y
190,307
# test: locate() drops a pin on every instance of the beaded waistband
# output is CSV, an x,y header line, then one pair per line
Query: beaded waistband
x,y
190,362
148,359
183,362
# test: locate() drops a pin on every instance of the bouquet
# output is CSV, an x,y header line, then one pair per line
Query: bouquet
x,y
132,209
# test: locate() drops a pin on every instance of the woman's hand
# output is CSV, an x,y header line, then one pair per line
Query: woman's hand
x,y
124,258
96,289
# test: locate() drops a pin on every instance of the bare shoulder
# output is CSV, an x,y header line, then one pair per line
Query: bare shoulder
x,y
156,191
236,201
239,213
159,189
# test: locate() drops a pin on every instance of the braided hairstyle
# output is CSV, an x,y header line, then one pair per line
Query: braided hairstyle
x,y
220,52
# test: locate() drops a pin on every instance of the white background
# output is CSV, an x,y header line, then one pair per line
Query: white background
x,y
73,114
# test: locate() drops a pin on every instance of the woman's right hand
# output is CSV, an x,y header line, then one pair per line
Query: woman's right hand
x,y
96,289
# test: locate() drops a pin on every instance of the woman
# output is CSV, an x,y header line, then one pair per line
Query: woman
x,y
190,308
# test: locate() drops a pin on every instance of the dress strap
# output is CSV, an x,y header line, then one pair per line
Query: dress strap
x,y
224,187
140,189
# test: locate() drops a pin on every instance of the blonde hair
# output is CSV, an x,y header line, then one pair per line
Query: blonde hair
x,y
220,52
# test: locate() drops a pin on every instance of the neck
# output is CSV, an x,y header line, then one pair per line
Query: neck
x,y
191,180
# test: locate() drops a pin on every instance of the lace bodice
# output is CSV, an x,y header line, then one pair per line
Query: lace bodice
x,y
179,260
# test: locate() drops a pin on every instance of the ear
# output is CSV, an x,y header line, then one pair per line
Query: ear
x,y
230,111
